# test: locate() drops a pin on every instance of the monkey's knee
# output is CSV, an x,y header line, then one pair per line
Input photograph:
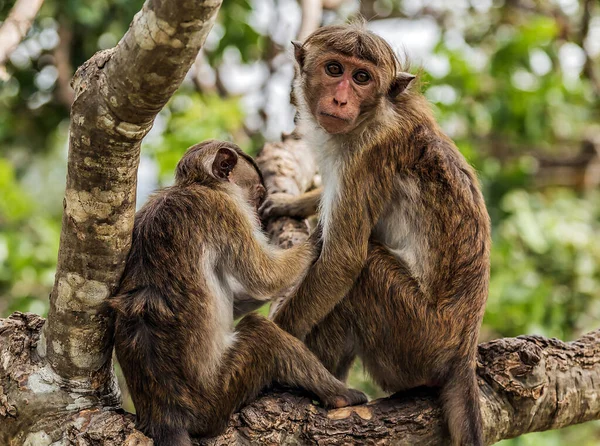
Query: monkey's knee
x,y
258,334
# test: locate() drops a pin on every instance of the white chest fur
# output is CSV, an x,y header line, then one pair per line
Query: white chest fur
x,y
401,228
326,152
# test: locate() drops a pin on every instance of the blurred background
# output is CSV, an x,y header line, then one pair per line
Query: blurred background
x,y
516,83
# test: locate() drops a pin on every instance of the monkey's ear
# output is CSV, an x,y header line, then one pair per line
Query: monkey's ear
x,y
224,162
400,84
298,52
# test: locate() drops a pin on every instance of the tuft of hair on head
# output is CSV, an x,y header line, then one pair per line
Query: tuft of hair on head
x,y
358,21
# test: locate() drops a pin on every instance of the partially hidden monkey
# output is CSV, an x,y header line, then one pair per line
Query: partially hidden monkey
x,y
198,260
402,278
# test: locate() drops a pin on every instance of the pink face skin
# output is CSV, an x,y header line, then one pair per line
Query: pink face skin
x,y
340,87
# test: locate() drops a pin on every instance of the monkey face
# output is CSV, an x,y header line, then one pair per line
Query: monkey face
x,y
340,90
348,77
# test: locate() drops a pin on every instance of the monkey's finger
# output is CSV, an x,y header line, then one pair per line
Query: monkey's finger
x,y
269,210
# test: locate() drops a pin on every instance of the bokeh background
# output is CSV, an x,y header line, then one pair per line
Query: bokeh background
x,y
516,83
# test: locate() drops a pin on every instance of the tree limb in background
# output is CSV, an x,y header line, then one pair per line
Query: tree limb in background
x,y
62,58
15,27
312,14
287,167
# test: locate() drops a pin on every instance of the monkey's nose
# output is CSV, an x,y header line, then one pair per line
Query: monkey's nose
x,y
339,102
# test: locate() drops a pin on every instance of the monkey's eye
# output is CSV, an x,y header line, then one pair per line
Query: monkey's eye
x,y
361,77
334,69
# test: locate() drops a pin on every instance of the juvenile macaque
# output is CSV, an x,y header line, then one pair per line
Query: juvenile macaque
x,y
402,277
197,257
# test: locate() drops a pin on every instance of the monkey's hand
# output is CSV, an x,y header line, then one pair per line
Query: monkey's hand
x,y
278,205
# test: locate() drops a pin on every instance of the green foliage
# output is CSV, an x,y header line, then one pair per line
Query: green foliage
x,y
28,247
581,435
192,118
512,85
545,265
238,33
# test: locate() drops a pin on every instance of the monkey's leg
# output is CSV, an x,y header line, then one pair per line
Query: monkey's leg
x,y
404,341
364,314
263,354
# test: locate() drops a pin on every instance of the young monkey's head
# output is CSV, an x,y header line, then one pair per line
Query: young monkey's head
x,y
346,71
220,161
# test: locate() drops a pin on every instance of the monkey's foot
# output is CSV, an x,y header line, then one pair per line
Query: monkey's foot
x,y
352,397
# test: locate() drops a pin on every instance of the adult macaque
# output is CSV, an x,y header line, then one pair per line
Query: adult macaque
x,y
403,273
197,256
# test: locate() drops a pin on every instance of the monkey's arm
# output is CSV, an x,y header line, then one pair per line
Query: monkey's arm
x,y
260,268
286,205
344,251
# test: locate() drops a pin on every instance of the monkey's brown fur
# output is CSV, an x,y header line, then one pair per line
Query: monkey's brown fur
x,y
403,274
197,252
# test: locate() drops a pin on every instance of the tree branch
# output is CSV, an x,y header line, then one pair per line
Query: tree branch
x,y
527,384
15,27
312,14
62,58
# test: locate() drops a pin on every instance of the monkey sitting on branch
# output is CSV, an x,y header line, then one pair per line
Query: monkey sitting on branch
x,y
198,260
402,278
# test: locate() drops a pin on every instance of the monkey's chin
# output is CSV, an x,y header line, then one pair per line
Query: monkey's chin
x,y
334,125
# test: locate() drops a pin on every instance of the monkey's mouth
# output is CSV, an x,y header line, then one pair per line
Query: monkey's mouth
x,y
339,118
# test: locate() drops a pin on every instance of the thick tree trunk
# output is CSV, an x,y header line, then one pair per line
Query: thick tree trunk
x,y
118,93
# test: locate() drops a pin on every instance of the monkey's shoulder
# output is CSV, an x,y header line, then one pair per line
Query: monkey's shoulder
x,y
436,155
440,166
180,206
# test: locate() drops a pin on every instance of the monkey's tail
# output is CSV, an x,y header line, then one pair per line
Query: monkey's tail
x,y
171,436
460,401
